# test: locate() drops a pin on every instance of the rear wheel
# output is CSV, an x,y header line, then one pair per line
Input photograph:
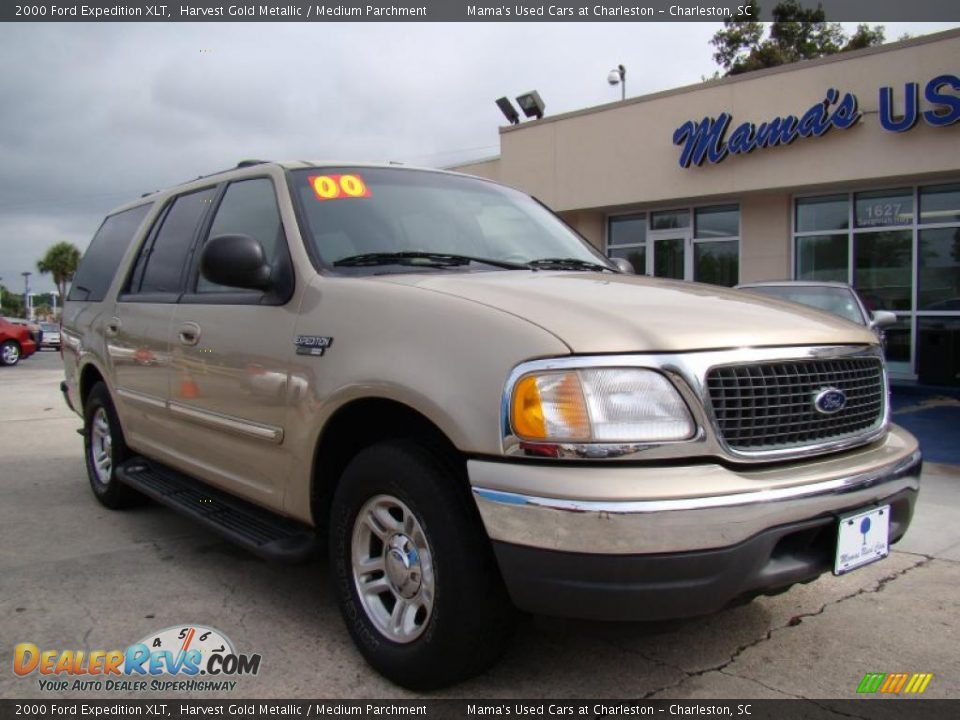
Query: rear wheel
x,y
10,353
105,449
414,573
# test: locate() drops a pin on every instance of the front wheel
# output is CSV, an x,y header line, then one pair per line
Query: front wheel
x,y
414,573
10,353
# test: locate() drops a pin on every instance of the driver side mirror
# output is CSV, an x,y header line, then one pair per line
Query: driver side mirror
x,y
623,265
882,319
236,261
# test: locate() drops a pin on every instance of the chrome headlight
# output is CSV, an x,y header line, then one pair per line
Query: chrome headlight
x,y
598,405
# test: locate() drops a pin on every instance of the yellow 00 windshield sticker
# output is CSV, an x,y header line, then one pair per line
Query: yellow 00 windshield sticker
x,y
338,187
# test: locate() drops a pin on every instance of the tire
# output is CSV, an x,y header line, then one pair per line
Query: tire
x,y
10,353
104,449
429,553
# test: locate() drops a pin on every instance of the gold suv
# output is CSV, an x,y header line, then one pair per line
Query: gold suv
x,y
476,410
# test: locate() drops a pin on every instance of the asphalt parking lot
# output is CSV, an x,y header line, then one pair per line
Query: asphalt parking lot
x,y
76,575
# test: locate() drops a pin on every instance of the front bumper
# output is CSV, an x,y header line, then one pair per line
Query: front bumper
x,y
650,555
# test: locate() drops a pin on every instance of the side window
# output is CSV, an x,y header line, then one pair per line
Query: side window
x,y
249,207
102,258
166,257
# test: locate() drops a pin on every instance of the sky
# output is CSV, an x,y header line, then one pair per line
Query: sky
x,y
94,115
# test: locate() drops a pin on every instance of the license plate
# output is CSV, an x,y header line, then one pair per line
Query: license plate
x,y
862,539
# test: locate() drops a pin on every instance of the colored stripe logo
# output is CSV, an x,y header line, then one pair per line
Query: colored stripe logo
x,y
894,683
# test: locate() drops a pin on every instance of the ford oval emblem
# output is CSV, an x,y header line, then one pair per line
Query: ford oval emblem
x,y
829,401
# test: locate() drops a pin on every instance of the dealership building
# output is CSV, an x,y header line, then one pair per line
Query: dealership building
x,y
844,168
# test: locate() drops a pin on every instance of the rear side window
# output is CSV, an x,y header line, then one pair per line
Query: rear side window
x,y
102,258
163,262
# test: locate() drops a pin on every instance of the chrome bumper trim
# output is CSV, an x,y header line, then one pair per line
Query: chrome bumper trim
x,y
681,524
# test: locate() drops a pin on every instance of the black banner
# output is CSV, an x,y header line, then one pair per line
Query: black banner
x,y
882,709
463,10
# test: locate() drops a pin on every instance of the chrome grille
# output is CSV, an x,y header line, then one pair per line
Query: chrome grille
x,y
770,406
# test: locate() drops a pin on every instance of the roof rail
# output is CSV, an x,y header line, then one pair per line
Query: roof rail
x,y
250,163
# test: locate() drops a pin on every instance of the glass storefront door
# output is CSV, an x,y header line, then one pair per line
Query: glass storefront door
x,y
701,244
669,256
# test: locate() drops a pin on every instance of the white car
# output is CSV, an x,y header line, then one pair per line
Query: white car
x,y
50,337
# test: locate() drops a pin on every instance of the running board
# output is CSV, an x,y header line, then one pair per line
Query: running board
x,y
264,533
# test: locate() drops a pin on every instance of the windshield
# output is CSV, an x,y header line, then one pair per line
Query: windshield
x,y
837,300
353,212
49,327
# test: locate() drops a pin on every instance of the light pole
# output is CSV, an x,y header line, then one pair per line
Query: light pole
x,y
26,293
618,76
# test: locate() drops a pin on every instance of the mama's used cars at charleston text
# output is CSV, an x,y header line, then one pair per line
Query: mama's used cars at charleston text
x,y
477,410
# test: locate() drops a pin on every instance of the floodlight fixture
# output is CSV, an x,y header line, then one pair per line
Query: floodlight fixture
x,y
531,104
509,112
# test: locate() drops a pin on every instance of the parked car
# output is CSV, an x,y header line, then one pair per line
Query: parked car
x,y
50,337
476,409
15,343
36,332
832,297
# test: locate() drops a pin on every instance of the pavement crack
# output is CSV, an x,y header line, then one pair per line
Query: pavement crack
x,y
794,621
639,653
93,622
763,685
879,587
715,668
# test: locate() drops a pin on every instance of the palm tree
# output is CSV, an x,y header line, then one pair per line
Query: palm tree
x,y
61,261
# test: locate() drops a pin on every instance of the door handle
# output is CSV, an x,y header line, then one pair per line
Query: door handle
x,y
189,333
113,326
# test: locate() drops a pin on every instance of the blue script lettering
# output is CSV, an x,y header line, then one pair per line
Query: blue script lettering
x,y
705,140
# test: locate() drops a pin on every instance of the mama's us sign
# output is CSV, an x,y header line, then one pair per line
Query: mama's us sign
x,y
712,140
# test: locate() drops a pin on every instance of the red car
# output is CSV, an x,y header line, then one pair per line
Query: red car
x,y
15,343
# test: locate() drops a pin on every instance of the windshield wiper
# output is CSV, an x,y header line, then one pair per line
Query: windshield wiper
x,y
410,257
566,264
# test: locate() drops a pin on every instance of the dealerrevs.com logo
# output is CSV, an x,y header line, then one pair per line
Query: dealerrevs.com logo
x,y
185,658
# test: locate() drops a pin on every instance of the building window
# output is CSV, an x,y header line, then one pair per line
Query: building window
x,y
716,245
883,262
940,204
670,220
939,341
822,257
885,208
819,214
627,238
939,269
900,248
701,244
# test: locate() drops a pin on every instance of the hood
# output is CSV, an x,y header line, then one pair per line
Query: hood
x,y
607,313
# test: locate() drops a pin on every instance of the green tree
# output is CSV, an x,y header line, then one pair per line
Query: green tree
x,y
11,304
796,33
61,261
